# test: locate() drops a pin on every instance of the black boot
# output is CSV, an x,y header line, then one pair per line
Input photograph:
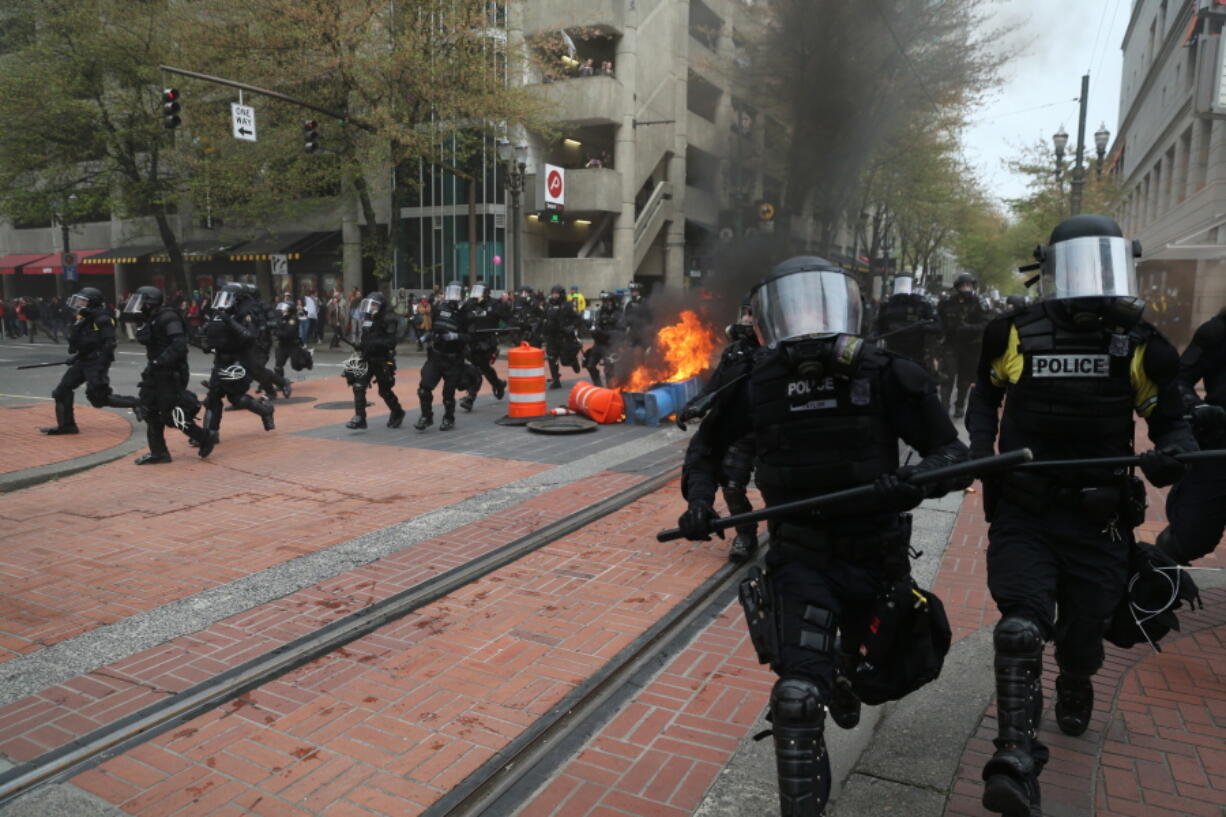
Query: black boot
x,y
149,458
448,416
424,422
1011,777
743,546
358,421
595,375
65,421
801,762
266,410
203,440
555,384
395,418
359,409
155,436
1074,702
500,388
466,402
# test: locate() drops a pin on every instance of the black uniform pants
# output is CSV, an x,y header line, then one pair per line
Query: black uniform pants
x,y
383,372
451,370
561,348
168,403
734,474
958,365
1061,571
292,351
270,381
804,574
482,357
225,382
1196,508
94,373
597,356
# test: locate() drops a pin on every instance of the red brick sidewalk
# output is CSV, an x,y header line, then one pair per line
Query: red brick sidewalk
x,y
25,447
98,546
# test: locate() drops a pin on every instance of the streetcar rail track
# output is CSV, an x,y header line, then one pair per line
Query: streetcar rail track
x,y
113,739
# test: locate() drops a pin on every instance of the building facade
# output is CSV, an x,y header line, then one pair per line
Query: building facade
x,y
1170,157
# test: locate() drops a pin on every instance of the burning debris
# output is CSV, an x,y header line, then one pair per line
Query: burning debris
x,y
681,351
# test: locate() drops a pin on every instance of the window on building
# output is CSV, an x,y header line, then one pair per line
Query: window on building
x,y
1152,51
702,97
1185,160
1189,75
1155,191
1169,186
705,24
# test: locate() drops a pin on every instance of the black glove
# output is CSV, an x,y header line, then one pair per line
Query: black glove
x,y
895,493
1208,421
1161,468
981,450
695,523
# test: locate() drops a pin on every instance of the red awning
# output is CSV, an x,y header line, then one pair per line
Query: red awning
x,y
51,265
9,264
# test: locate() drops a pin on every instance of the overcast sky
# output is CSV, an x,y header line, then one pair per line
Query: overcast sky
x,y
1038,95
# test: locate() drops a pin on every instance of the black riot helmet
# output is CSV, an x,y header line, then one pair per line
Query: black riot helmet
x,y
87,298
557,293
285,309
1015,301
372,305
636,291
479,291
965,283
454,292
143,302
812,309
1089,271
229,296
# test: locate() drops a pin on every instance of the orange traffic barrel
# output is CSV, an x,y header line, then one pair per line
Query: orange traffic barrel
x,y
526,377
601,405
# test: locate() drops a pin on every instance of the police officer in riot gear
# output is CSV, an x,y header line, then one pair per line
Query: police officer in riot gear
x,y
1196,505
164,398
376,350
526,315
284,328
91,342
908,320
963,316
606,337
445,359
270,381
230,333
1016,301
559,327
824,411
636,318
1070,369
483,316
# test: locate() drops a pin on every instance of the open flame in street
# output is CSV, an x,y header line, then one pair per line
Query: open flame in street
x,y
683,350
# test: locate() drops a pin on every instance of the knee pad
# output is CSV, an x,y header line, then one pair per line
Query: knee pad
x,y
59,393
796,702
424,393
1018,637
97,397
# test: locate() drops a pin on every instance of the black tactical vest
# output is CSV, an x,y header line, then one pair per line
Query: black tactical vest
x,y
1075,386
817,436
1215,367
84,335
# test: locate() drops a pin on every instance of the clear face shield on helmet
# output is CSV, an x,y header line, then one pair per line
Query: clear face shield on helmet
x,y
806,304
478,292
284,309
136,305
369,307
77,302
453,292
224,300
902,285
1089,267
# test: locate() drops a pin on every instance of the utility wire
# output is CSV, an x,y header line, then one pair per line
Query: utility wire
x,y
1094,49
1106,43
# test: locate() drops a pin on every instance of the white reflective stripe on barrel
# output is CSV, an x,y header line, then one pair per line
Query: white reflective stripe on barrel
x,y
538,397
517,373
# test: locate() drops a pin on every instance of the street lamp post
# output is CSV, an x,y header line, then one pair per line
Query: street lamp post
x,y
1059,141
1079,172
1101,137
63,219
515,156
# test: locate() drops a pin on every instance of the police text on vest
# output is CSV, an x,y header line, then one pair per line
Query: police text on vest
x,y
1071,366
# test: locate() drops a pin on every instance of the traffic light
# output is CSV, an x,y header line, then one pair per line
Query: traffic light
x,y
170,108
310,135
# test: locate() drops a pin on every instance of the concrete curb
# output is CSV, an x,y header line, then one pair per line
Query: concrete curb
x,y
28,477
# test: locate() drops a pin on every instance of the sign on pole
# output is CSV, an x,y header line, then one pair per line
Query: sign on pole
x,y
242,118
70,272
280,264
555,187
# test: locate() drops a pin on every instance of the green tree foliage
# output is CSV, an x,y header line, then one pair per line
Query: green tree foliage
x,y
80,98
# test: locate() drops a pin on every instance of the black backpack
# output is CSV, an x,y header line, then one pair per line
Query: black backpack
x,y
905,645
1156,589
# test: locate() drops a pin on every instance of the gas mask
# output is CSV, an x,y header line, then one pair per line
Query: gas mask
x,y
836,356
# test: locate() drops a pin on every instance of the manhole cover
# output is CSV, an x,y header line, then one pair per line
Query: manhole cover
x,y
519,421
562,425
336,405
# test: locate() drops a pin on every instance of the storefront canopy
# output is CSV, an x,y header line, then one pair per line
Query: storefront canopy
x,y
10,264
262,249
200,249
127,254
50,265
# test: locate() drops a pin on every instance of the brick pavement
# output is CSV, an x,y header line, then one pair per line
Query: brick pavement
x,y
25,447
396,719
50,718
98,546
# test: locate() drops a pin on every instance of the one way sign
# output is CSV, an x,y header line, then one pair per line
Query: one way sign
x,y
243,119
